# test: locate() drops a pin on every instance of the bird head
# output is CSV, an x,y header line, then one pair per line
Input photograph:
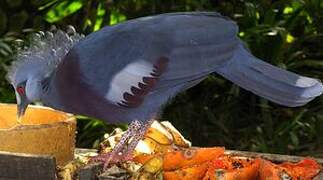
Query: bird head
x,y
35,64
27,82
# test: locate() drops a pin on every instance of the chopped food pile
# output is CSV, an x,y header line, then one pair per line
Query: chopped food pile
x,y
165,154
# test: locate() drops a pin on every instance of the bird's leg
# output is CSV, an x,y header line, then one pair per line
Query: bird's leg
x,y
128,153
116,154
132,130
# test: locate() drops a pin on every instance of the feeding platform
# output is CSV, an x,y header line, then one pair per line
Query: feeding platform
x,y
42,147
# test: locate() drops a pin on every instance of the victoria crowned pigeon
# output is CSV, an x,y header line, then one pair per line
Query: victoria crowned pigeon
x,y
126,72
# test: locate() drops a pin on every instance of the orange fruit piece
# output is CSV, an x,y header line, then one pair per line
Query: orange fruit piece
x,y
188,173
304,169
182,158
232,168
190,156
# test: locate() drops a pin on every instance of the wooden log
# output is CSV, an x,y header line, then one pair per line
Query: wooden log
x,y
25,166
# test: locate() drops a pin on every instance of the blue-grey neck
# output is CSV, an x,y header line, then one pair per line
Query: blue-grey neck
x,y
50,94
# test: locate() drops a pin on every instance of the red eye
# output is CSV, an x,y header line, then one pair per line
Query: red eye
x,y
21,90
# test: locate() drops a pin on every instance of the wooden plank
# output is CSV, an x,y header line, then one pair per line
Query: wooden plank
x,y
90,171
26,166
319,177
278,158
85,151
114,173
272,157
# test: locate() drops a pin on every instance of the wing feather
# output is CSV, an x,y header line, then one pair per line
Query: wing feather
x,y
129,86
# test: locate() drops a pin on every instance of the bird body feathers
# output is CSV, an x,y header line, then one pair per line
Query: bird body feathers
x,y
128,71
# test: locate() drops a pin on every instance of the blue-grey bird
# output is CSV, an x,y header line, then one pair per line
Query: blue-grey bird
x,y
126,72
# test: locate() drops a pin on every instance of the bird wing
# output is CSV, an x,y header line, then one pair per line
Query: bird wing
x,y
117,61
130,85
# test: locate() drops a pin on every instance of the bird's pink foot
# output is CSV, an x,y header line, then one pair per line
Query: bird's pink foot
x,y
112,158
123,151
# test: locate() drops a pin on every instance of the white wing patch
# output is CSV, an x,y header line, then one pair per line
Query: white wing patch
x,y
131,84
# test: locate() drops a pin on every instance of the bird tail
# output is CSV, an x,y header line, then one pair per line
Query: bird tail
x,y
273,83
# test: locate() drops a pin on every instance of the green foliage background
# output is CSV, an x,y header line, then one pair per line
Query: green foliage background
x,y
287,33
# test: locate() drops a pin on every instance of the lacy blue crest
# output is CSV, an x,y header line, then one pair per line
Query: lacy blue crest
x,y
46,49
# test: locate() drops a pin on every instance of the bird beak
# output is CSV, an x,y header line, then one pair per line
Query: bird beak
x,y
22,104
21,109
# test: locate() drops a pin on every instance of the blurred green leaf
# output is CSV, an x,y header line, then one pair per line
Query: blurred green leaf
x,y
62,10
99,17
117,17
